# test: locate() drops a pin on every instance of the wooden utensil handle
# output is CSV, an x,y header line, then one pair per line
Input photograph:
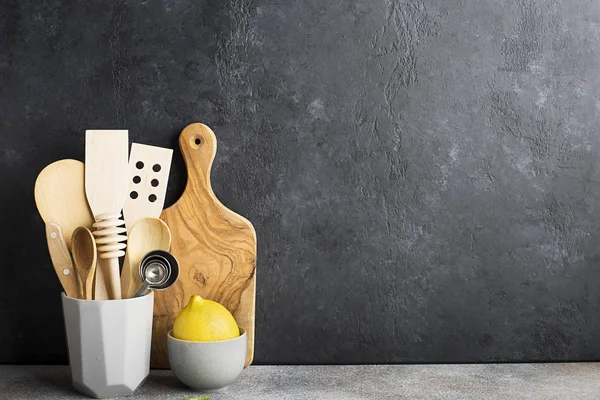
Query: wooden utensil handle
x,y
114,278
88,286
128,276
107,273
61,260
101,281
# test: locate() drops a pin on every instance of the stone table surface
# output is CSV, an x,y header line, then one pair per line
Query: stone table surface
x,y
471,381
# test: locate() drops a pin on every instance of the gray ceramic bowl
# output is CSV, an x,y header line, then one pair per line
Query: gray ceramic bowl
x,y
207,365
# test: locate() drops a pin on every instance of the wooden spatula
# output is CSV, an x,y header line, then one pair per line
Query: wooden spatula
x,y
216,248
61,202
149,168
60,196
146,235
106,188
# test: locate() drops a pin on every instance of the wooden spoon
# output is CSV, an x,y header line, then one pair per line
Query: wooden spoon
x,y
146,235
84,255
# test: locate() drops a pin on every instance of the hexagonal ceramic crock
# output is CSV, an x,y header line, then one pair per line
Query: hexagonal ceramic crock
x,y
109,344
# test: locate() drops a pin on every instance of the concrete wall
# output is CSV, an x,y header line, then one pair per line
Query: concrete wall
x,y
422,175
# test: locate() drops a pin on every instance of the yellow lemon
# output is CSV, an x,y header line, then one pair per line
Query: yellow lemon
x,y
204,321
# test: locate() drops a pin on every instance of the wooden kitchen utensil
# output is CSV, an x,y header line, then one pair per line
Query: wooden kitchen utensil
x,y
146,235
216,248
84,256
106,187
60,196
149,168
61,259
60,199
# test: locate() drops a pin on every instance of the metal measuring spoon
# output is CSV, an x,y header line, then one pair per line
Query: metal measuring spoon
x,y
158,270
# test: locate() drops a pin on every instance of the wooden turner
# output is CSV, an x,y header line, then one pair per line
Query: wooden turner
x,y
61,202
216,248
60,196
106,188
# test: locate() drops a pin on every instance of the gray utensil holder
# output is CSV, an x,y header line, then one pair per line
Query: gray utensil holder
x,y
109,344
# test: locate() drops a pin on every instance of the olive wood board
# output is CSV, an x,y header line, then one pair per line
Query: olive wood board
x,y
216,248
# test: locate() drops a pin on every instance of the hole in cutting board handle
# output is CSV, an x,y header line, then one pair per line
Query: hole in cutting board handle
x,y
195,142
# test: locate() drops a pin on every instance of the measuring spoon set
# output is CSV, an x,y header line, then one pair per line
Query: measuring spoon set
x,y
81,206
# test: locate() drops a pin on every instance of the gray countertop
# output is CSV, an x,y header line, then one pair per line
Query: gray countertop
x,y
475,381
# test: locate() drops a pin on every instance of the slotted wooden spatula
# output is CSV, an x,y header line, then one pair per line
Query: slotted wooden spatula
x,y
216,248
106,188
149,168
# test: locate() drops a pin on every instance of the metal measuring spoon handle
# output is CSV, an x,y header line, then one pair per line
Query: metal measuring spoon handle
x,y
158,270
142,289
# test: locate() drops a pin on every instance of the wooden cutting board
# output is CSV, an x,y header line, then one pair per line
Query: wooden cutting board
x,y
216,248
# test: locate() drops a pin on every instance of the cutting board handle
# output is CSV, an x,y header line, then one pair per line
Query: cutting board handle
x,y
198,145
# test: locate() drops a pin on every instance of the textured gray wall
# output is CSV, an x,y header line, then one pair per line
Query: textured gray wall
x,y
422,175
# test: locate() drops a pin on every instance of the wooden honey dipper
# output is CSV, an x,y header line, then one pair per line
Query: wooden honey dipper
x,y
110,235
